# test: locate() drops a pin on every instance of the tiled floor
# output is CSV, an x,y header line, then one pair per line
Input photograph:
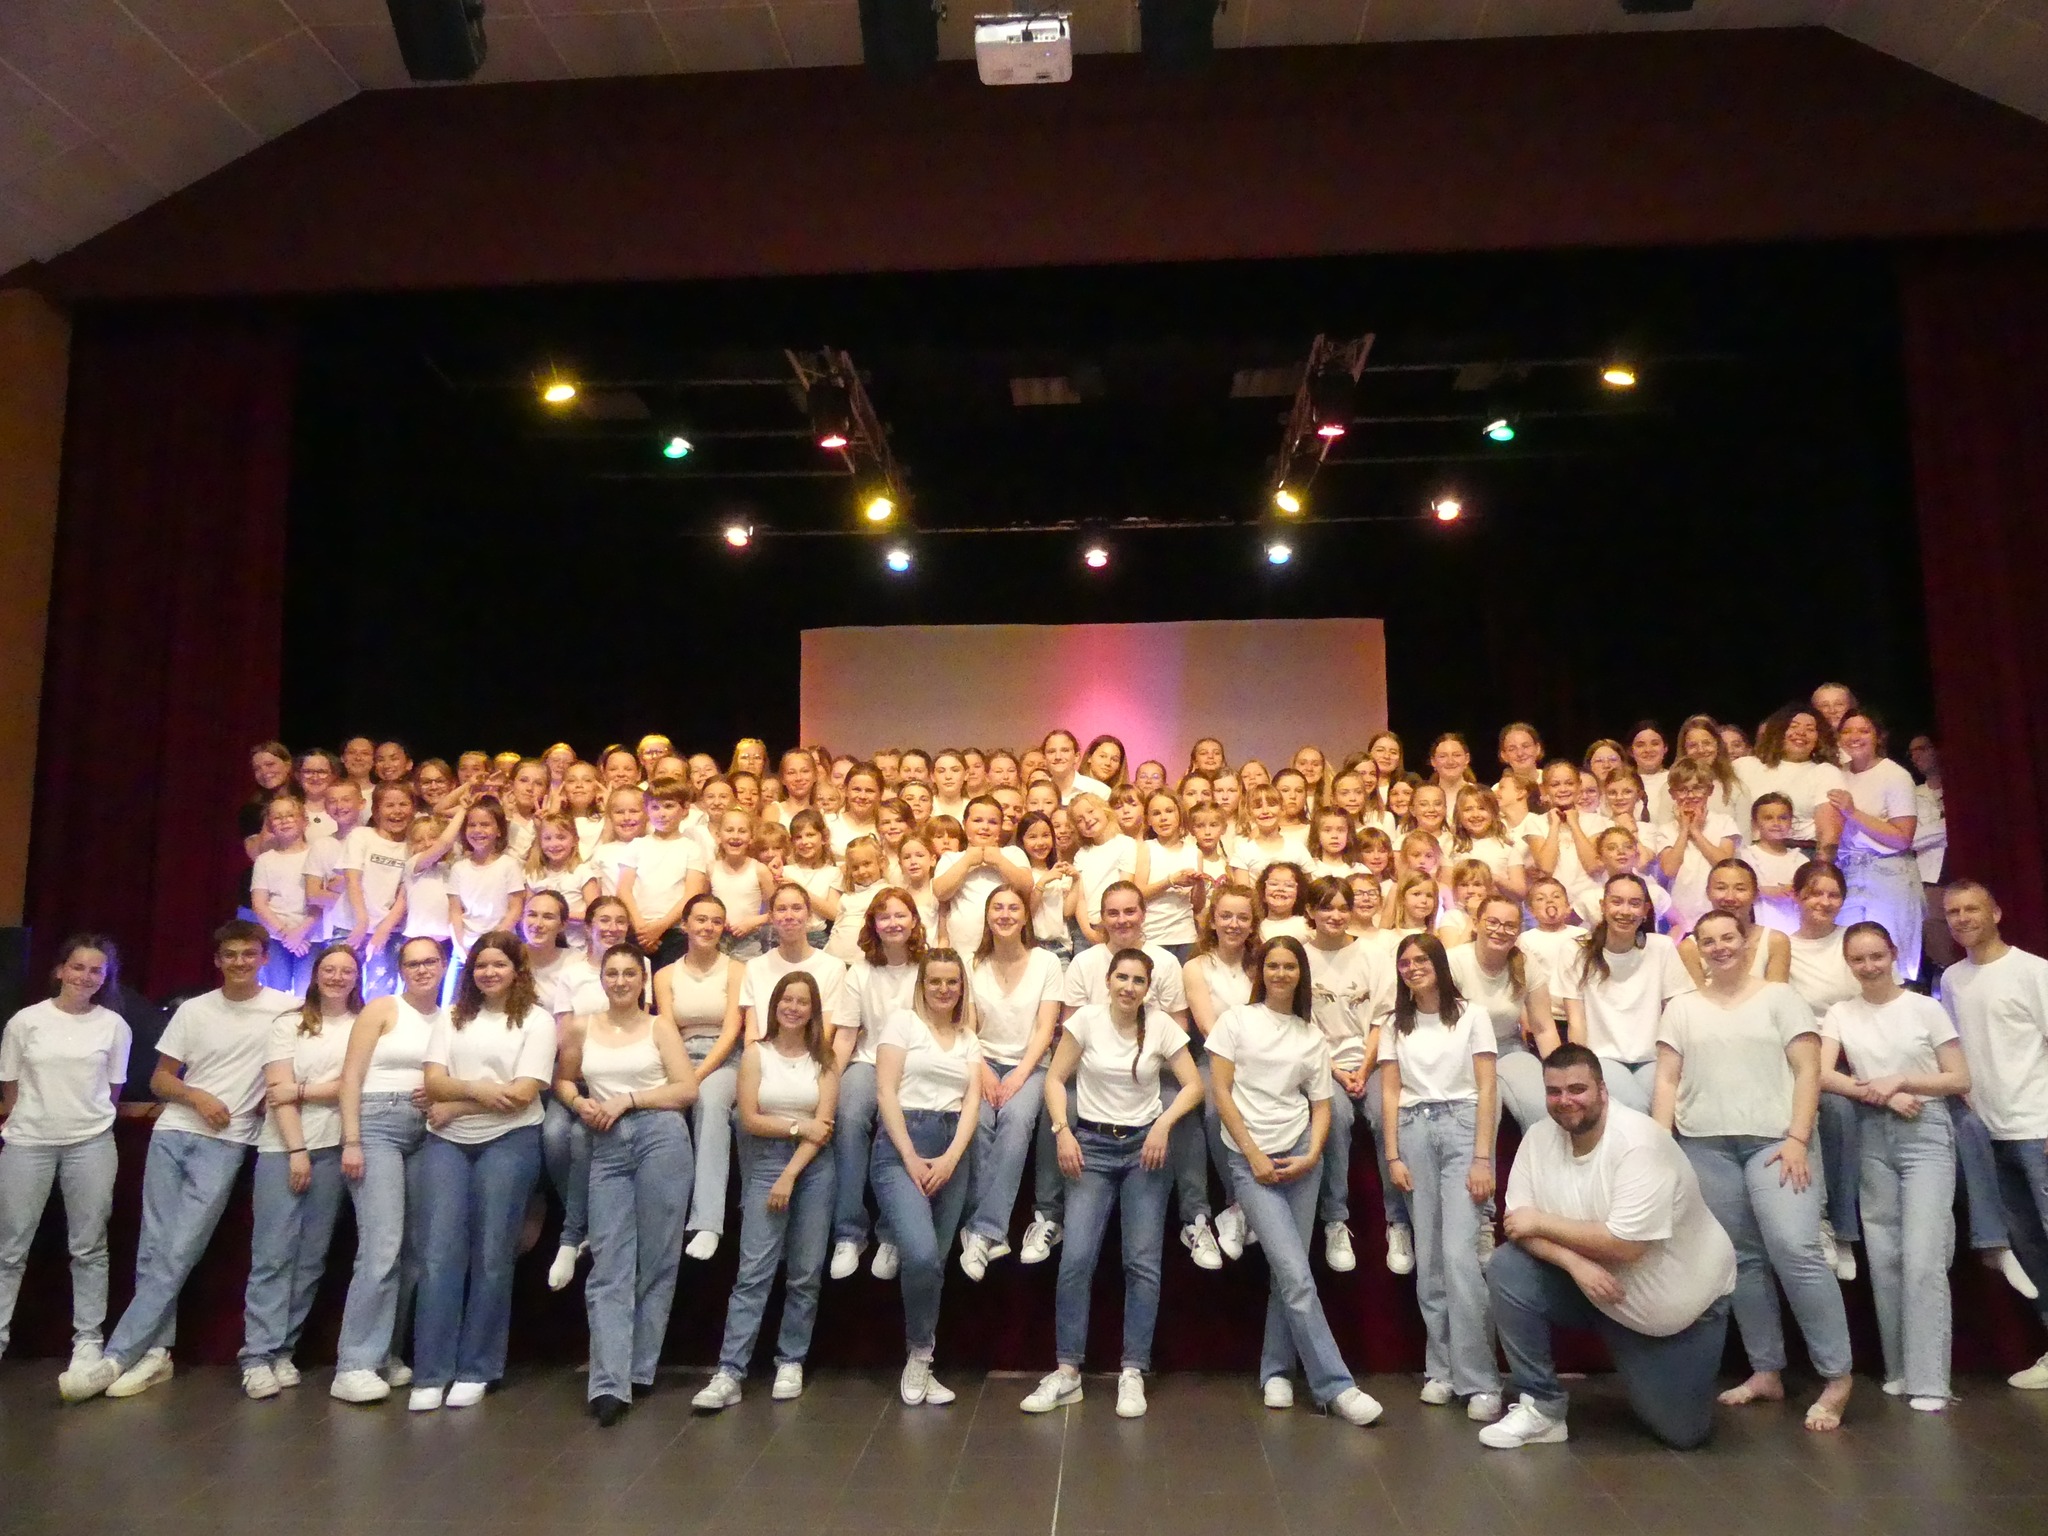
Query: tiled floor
x,y
193,1459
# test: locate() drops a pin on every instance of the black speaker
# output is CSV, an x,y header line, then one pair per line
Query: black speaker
x,y
899,39
1177,35
439,39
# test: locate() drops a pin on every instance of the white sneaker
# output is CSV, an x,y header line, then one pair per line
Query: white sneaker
x,y
1337,1251
887,1262
1845,1261
2016,1275
1354,1405
1053,1391
88,1381
2033,1379
1400,1250
425,1399
721,1391
1039,1238
1279,1392
1830,1247
285,1371
1230,1227
936,1393
1488,1241
465,1394
702,1246
1130,1393
359,1387
1927,1404
1200,1243
845,1260
563,1270
915,1381
1524,1424
152,1369
789,1381
974,1255
259,1382
83,1358
1436,1393
1483,1407
396,1372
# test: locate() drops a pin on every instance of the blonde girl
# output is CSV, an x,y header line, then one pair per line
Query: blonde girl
x,y
1413,908
625,818
1480,834
743,883
556,863
861,880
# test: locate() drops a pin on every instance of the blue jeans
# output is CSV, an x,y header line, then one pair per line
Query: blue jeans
x,y
1978,1166
1282,1216
288,1243
1633,1083
565,1149
390,1202
1437,1141
1670,1380
853,1138
1002,1141
922,1225
186,1183
475,1205
1774,1228
1335,1187
1187,1150
1909,1235
1111,1176
711,1121
381,977
639,1170
84,1170
795,1240
2023,1187
1519,1075
1836,1136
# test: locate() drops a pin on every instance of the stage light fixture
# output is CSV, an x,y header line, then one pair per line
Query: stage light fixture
x,y
879,508
831,415
677,447
1618,375
1095,555
1500,430
739,535
1447,507
1288,500
1329,397
1278,552
558,390
897,559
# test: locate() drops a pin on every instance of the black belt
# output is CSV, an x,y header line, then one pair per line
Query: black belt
x,y
1113,1132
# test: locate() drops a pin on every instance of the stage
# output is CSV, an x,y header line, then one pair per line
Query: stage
x,y
193,1458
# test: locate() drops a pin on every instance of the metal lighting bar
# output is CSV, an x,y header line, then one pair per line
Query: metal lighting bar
x,y
1301,450
866,455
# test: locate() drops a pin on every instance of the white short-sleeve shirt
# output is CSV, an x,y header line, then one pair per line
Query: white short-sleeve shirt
x,y
1622,1008
1435,1057
65,1067
1884,790
2001,1014
223,1045
1098,866
965,912
1003,1020
934,1076
1117,1082
867,997
1087,979
757,985
1895,1039
314,1059
1734,1079
1280,1063
485,891
1351,987
491,1049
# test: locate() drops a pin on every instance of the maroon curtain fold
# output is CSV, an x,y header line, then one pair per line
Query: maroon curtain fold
x,y
1976,353
166,629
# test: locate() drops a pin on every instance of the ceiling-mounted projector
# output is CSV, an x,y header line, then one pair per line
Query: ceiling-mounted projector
x,y
1035,48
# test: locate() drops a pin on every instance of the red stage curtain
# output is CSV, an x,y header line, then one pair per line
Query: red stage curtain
x,y
1976,353
166,629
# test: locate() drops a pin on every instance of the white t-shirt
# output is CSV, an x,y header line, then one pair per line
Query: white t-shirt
x,y
1587,902
223,1045
1087,979
1639,1184
757,985
1170,916
1254,856
2001,1015
1098,866
1494,996
1930,835
490,1049
426,899
1689,886
314,1059
565,883
1495,853
607,859
588,830
840,831
379,863
867,997
571,986
65,1067
1003,1020
1820,972
1734,1079
1280,1063
1571,870
1894,1039
966,912
1049,906
280,874
1779,912
1435,1058
1105,1089
1884,790
661,867
843,941
1623,1008
1350,988
1804,784
323,858
1549,954
934,1077
1084,785
485,891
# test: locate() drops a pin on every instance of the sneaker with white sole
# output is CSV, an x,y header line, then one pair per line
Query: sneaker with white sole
x,y
721,1391
936,1393
1400,1249
1200,1241
359,1387
915,1381
1524,1424
845,1260
1483,1407
1230,1230
1488,1241
83,1358
151,1370
90,1381
286,1372
1830,1246
974,1255
1039,1239
1054,1391
1845,1261
466,1394
1130,1393
702,1246
1278,1392
1895,1387
1436,1393
396,1372
425,1399
2016,1275
789,1381
1355,1405
1337,1250
887,1262
563,1270
2033,1379
259,1382
1927,1404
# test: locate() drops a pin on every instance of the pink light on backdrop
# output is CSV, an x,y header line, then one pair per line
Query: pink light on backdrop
x,y
1265,686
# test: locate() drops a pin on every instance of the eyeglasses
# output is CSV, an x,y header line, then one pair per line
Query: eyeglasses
x,y
415,965
1492,925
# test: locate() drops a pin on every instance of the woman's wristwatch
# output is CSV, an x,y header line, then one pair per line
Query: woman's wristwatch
x,y
796,1129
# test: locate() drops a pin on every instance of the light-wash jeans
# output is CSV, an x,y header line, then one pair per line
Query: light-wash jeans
x,y
1437,1141
390,1202
711,1125
639,1170
794,1240
1836,1134
84,1171
288,1242
1282,1216
1670,1380
922,1225
1002,1141
1633,1083
186,1182
1909,1236
565,1150
853,1142
2023,1187
1519,1073
1335,1189
1112,1178
1977,1165
475,1205
1839,1136
1775,1228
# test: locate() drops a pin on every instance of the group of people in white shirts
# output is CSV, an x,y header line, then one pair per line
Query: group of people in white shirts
x,y
912,977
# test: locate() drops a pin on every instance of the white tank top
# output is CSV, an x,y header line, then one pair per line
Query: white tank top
x,y
697,1003
397,1062
789,1085
739,890
610,1070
